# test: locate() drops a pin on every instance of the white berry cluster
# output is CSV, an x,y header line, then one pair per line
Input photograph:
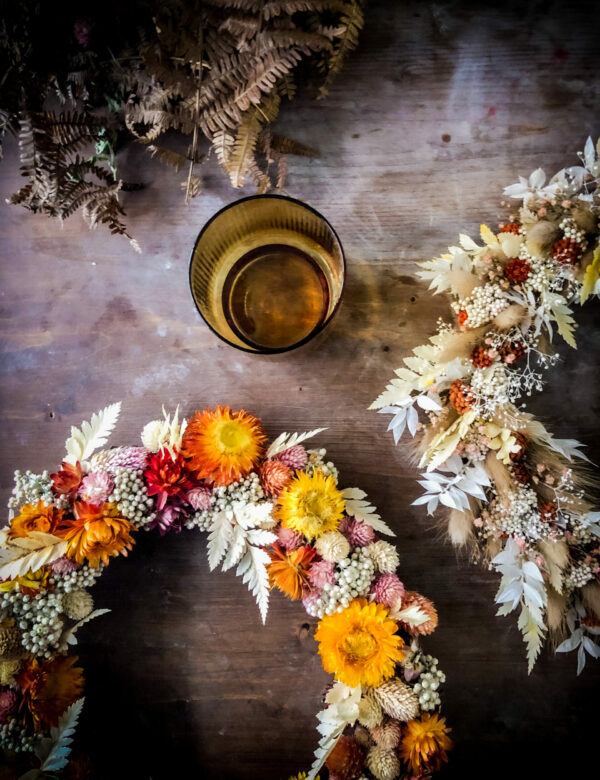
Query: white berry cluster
x,y
516,514
30,488
484,303
38,617
13,736
572,230
317,462
131,497
82,578
354,576
427,686
579,576
247,490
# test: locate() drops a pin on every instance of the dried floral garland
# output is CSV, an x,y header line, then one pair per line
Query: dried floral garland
x,y
217,68
275,513
517,494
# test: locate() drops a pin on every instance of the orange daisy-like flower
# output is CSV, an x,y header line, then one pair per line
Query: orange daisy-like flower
x,y
359,645
289,570
222,446
36,517
425,743
29,584
66,482
49,687
97,533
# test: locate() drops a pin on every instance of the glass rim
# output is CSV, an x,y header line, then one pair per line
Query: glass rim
x,y
319,328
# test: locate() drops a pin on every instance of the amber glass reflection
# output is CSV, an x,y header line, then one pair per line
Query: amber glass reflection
x,y
267,273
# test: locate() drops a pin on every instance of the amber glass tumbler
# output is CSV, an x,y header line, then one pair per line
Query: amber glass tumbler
x,y
267,273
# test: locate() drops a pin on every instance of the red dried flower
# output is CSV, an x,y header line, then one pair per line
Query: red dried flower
x,y
461,396
166,477
66,482
517,270
510,227
480,357
566,251
346,760
462,317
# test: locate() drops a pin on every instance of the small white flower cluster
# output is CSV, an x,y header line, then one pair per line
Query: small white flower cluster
x,y
38,617
485,303
571,230
316,462
131,496
354,576
579,576
13,736
30,488
491,388
516,514
543,274
247,490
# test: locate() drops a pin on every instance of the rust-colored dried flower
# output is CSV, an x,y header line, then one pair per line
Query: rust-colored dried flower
x,y
517,270
480,357
520,473
414,599
510,227
346,760
274,475
548,511
522,440
66,482
460,396
566,251
511,351
462,317
49,687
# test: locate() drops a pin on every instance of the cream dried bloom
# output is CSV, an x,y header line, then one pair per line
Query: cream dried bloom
x,y
77,604
370,713
333,546
384,556
384,764
164,434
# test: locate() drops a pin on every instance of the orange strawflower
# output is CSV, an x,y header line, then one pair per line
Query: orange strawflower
x,y
49,687
97,533
66,482
288,571
425,743
359,645
36,517
222,446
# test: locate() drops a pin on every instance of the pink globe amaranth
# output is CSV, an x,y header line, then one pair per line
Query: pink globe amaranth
x,y
62,566
387,589
289,539
295,457
200,498
96,487
359,534
8,703
322,573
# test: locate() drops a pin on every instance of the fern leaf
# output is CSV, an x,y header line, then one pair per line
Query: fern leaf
x,y
286,440
69,637
92,435
62,734
219,538
352,21
253,570
236,548
289,146
25,560
361,510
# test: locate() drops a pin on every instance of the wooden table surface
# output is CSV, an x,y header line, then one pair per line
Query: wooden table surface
x,y
441,106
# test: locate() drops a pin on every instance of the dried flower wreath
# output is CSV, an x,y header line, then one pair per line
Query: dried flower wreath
x,y
516,494
74,88
274,512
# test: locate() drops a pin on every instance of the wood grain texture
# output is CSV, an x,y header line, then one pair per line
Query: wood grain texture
x,y
442,105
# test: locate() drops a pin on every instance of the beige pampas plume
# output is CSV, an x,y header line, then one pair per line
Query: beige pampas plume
x,y
591,598
463,283
556,555
585,219
458,344
498,473
460,527
509,317
540,237
556,611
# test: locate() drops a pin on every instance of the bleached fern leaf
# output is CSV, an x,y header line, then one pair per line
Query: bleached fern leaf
x,y
342,710
92,435
237,548
69,637
533,636
286,440
219,538
253,571
362,510
62,734
17,560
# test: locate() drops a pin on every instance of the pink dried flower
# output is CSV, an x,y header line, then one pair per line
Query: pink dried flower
x,y
8,703
125,457
62,566
289,539
410,674
201,498
169,519
96,487
82,30
359,534
322,573
294,458
311,599
387,589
